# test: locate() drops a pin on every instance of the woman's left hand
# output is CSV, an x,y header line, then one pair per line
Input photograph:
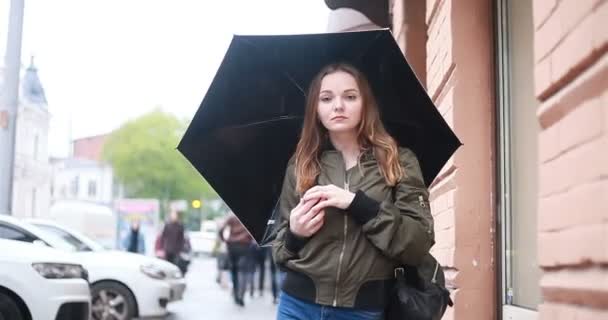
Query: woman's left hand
x,y
330,196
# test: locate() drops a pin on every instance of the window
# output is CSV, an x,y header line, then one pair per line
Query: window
x,y
11,233
79,245
74,186
518,149
92,188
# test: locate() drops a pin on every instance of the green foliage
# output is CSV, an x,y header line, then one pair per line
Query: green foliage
x,y
145,159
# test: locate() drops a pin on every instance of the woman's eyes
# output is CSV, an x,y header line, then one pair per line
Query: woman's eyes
x,y
350,97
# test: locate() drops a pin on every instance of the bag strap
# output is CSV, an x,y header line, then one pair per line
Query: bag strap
x,y
434,280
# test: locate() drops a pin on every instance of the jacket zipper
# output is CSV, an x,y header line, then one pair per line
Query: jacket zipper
x,y
421,200
347,188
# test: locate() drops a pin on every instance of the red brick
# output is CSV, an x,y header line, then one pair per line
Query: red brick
x,y
445,238
542,11
439,204
542,76
550,180
574,51
548,311
604,104
573,12
602,155
474,270
583,164
443,201
600,35
398,17
444,220
581,125
548,36
431,8
588,85
581,286
548,143
444,256
555,311
573,246
556,212
439,48
474,304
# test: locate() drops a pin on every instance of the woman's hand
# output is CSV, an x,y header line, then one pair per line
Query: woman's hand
x,y
329,196
304,221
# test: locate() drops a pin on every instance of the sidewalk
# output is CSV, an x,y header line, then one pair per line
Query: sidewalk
x,y
205,299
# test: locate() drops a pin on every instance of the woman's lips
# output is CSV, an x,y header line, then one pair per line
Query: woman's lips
x,y
338,118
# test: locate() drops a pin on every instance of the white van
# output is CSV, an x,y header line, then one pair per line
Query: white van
x,y
96,221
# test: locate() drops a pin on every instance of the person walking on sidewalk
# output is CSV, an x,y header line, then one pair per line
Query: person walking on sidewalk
x,y
353,206
260,256
134,241
238,244
172,238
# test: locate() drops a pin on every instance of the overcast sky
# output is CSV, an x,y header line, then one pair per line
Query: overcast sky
x,y
103,62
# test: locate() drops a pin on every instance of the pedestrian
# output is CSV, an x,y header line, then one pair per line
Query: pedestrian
x,y
134,240
260,256
159,251
172,238
185,256
353,206
238,244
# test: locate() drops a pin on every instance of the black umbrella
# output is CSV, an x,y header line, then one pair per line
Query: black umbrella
x,y
248,124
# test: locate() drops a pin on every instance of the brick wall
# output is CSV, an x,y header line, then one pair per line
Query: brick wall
x,y
459,78
89,147
571,82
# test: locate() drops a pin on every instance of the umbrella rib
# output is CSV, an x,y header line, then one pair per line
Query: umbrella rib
x,y
288,76
284,73
263,122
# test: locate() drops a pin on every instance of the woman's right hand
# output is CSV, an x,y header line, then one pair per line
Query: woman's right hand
x,y
304,222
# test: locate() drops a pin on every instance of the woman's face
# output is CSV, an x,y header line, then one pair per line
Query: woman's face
x,y
340,103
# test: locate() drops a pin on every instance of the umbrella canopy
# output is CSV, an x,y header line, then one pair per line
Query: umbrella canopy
x,y
249,122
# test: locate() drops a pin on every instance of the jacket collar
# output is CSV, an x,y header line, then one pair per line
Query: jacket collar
x,y
366,155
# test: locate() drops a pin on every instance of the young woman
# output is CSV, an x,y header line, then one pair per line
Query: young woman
x,y
353,206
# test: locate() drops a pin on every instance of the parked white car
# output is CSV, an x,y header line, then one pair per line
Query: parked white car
x,y
40,283
83,243
123,285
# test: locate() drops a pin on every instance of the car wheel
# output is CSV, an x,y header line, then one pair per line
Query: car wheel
x,y
111,301
9,310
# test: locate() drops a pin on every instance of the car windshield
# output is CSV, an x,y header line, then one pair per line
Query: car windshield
x,y
79,241
55,241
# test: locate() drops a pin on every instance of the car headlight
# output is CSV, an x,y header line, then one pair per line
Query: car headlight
x,y
153,271
61,271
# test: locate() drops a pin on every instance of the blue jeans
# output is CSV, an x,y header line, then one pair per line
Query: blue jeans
x,y
291,308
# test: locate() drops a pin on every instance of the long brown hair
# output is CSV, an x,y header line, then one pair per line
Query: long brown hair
x,y
370,134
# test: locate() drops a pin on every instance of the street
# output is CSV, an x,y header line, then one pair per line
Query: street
x,y
205,299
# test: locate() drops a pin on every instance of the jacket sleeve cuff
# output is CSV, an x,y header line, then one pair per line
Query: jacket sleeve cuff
x,y
294,243
363,208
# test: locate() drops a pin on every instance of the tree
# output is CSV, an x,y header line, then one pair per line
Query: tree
x,y
145,160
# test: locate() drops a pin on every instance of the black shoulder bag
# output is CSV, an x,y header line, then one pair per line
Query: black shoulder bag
x,y
419,292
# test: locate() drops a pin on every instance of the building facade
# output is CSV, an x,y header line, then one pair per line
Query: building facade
x,y
32,172
521,210
85,176
82,179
